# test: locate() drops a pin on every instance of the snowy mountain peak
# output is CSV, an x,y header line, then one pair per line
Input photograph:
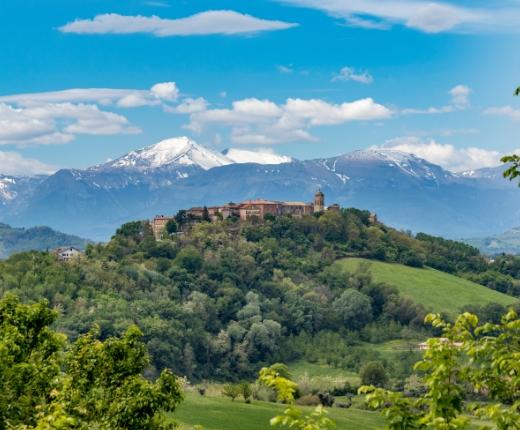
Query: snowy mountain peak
x,y
177,151
6,192
258,157
406,162
383,154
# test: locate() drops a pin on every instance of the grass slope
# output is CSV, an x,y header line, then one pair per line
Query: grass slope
x,y
217,413
437,291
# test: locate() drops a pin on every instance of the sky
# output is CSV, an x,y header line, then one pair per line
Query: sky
x,y
86,82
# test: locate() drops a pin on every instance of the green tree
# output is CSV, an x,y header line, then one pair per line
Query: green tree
x,y
205,214
353,308
231,390
246,391
95,385
373,373
30,360
171,227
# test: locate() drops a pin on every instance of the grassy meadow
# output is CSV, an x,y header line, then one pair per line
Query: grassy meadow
x,y
436,291
218,413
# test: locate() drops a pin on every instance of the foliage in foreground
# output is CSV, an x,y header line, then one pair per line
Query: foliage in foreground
x,y
274,377
481,361
46,384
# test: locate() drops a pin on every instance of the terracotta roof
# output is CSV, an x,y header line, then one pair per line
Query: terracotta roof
x,y
296,204
259,202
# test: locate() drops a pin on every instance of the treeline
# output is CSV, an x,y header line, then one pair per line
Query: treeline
x,y
223,299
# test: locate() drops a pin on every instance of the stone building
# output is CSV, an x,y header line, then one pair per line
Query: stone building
x,y
319,202
250,209
159,225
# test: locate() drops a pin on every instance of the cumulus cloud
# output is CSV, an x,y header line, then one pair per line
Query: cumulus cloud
x,y
13,163
423,15
446,155
126,98
57,123
56,117
226,22
459,101
349,74
264,122
460,96
190,105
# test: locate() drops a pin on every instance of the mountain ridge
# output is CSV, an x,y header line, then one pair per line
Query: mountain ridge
x,y
406,191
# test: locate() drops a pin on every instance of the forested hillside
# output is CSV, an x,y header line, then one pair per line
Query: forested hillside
x,y
222,299
14,240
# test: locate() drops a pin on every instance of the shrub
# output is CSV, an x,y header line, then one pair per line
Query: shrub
x,y
231,390
308,400
245,391
326,399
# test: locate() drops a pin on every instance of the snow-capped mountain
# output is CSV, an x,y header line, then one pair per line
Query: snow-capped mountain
x,y
6,189
405,190
259,157
484,173
174,152
404,162
12,187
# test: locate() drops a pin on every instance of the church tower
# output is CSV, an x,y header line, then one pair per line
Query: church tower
x,y
319,202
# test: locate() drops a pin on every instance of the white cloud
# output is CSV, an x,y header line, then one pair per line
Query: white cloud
x,y
349,74
446,155
263,122
284,69
225,22
505,111
56,117
423,15
12,163
189,105
459,101
159,93
167,91
57,123
460,96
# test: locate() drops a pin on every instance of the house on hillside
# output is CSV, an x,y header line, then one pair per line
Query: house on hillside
x,y
68,253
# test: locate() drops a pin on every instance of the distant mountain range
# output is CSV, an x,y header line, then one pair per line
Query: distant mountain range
x,y
508,243
13,240
405,191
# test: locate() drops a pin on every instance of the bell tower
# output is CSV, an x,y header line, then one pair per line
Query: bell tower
x,y
319,202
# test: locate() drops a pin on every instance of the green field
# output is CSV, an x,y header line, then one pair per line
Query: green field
x,y
436,291
216,413
314,370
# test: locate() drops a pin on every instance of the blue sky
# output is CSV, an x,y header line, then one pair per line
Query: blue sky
x,y
306,78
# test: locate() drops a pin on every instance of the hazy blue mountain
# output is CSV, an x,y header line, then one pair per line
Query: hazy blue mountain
x,y
508,242
405,191
13,240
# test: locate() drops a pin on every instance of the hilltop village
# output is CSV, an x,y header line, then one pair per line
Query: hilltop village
x,y
248,210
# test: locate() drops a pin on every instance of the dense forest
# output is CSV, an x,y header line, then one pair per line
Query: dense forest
x,y
220,300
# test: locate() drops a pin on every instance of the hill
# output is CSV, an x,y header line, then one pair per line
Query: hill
x,y
435,290
225,298
13,240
